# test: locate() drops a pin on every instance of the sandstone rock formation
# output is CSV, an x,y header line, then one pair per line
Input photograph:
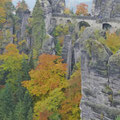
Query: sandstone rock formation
x,y
106,9
51,7
100,81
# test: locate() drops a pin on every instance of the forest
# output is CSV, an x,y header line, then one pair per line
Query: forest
x,y
33,85
37,79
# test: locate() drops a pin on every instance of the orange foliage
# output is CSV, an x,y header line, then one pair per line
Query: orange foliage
x,y
70,106
44,115
22,5
48,75
82,9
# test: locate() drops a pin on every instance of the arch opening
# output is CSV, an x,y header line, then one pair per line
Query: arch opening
x,y
61,21
69,22
106,26
83,24
53,21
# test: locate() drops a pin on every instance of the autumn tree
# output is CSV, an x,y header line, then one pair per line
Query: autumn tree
x,y
2,11
113,41
82,9
70,106
12,62
47,84
22,5
67,11
15,101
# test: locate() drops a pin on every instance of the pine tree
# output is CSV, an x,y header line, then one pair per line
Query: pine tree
x,y
6,101
28,103
39,32
20,111
30,114
31,61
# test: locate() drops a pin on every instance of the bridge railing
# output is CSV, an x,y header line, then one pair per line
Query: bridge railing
x,y
99,20
74,16
109,20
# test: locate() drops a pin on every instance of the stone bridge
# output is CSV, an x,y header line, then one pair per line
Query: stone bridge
x,y
87,21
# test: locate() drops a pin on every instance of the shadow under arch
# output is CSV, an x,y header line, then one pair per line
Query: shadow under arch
x,y
69,21
106,26
83,24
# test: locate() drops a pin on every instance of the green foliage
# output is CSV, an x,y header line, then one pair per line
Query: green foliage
x,y
58,48
51,103
6,101
12,63
15,101
55,116
20,111
38,27
61,30
30,114
118,118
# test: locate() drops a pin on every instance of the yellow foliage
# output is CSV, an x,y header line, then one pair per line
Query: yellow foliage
x,y
48,75
46,84
112,41
12,60
3,10
70,106
67,11
22,42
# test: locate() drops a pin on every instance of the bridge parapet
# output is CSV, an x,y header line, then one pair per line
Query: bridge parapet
x,y
73,16
100,20
108,20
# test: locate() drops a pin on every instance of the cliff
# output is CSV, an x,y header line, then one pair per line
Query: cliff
x,y
106,8
100,81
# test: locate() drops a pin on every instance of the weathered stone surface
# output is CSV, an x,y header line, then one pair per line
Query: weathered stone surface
x,y
67,53
57,5
106,8
49,45
114,78
93,67
50,7
100,82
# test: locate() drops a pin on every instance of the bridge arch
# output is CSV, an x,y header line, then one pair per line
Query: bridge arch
x,y
68,21
61,21
106,26
53,21
83,24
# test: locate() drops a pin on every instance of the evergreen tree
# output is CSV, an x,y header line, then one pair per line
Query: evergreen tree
x,y
39,32
28,104
30,114
20,111
6,102
31,62
25,70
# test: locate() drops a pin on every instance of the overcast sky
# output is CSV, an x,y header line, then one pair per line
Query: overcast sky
x,y
69,3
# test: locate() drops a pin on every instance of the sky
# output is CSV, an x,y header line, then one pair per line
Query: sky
x,y
69,3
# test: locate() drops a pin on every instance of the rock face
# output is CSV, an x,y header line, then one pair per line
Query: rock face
x,y
67,53
49,45
23,22
57,5
106,9
100,72
51,7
